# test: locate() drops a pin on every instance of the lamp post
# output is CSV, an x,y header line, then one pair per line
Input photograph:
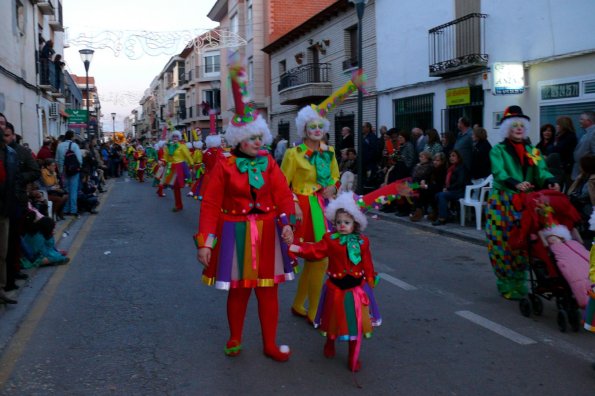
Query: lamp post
x,y
360,6
216,86
86,57
114,124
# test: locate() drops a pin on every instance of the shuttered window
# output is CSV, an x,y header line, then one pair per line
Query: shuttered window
x,y
414,112
548,114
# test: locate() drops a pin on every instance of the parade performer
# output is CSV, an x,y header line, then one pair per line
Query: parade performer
x,y
517,167
589,320
159,168
151,155
198,171
244,225
213,154
177,172
141,163
312,172
131,159
347,309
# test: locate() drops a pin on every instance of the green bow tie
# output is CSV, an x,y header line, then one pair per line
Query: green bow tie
x,y
254,167
352,242
322,162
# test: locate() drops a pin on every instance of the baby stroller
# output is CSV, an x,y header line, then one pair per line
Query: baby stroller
x,y
558,261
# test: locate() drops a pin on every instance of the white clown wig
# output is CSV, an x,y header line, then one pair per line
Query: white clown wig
x,y
235,134
507,125
307,114
176,133
346,201
197,144
213,141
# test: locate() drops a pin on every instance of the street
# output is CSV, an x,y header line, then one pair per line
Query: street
x,y
130,316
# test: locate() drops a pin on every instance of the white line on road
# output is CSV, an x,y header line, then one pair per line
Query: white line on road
x,y
496,328
397,282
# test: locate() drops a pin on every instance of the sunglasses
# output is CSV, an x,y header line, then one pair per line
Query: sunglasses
x,y
313,126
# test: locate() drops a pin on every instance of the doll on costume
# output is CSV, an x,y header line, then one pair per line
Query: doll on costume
x,y
243,228
347,309
312,173
177,172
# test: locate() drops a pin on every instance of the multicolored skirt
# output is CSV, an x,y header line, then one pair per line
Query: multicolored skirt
x,y
176,174
313,225
249,253
340,311
509,265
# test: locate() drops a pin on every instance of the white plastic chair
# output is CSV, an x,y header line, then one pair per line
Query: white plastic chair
x,y
475,196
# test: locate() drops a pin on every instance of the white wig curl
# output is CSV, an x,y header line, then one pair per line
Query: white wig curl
x,y
213,141
235,134
346,201
507,125
197,144
307,114
176,133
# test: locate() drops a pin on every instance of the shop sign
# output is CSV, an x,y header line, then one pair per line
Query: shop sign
x,y
560,91
458,96
509,78
77,116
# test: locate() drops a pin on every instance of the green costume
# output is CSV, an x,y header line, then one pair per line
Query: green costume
x,y
508,171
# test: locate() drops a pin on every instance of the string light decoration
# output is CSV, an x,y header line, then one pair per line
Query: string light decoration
x,y
136,43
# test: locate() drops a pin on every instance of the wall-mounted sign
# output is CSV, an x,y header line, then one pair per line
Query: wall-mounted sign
x,y
77,116
458,96
509,78
560,91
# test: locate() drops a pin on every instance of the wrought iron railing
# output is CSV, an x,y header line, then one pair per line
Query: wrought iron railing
x,y
305,74
458,45
50,75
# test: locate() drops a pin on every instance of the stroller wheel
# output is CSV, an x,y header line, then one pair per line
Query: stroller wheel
x,y
562,320
574,318
537,304
525,307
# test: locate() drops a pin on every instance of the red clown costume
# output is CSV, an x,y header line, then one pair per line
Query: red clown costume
x,y
243,228
177,172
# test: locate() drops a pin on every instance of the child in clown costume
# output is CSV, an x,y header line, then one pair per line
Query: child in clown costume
x,y
177,172
141,162
213,154
243,233
312,173
347,309
198,169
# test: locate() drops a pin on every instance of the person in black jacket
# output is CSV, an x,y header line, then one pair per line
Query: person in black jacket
x,y
454,186
481,166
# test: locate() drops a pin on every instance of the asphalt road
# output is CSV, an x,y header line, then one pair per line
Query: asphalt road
x,y
129,316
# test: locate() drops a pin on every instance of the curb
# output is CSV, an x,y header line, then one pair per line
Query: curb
x,y
452,230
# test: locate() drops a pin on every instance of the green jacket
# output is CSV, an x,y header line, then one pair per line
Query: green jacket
x,y
508,172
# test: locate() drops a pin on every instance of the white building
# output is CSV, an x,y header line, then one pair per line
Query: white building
x,y
441,60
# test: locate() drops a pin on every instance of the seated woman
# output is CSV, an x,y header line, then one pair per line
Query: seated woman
x,y
428,188
40,244
56,194
454,186
87,199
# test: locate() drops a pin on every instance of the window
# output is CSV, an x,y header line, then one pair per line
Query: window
x,y
213,98
20,17
414,112
351,48
212,64
249,19
250,70
282,67
234,24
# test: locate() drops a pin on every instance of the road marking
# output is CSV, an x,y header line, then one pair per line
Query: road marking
x,y
397,282
496,328
18,343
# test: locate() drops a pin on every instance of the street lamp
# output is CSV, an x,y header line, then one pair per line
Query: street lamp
x,y
86,57
114,123
360,6
216,86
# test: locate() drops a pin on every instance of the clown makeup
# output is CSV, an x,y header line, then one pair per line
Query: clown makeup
x,y
251,145
344,223
315,130
517,131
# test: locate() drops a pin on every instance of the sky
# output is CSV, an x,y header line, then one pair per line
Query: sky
x,y
118,78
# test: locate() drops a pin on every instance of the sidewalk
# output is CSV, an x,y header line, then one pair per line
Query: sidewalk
x,y
467,233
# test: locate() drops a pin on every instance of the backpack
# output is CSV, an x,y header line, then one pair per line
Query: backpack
x,y
72,166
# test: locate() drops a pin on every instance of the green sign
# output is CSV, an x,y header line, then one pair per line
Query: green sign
x,y
77,116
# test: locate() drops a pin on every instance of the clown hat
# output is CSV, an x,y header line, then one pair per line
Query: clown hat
x,y
510,113
246,121
514,112
314,112
347,202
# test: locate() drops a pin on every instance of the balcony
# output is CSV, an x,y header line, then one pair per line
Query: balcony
x,y
458,47
50,78
56,24
305,84
45,7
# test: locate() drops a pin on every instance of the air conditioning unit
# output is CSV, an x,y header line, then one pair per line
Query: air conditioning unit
x,y
54,110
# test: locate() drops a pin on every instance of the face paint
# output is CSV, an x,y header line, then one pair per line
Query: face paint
x,y
344,223
315,130
251,145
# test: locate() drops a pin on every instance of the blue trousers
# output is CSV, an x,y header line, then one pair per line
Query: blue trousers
x,y
71,184
443,199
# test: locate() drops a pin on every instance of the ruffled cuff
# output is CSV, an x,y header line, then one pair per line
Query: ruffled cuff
x,y
201,240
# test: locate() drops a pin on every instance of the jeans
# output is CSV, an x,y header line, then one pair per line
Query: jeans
x,y
444,198
71,184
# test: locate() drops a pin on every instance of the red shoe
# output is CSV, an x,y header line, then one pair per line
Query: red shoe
x,y
280,354
355,368
329,349
232,348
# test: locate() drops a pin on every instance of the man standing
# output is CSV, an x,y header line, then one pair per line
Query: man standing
x,y
419,140
586,145
8,173
464,142
369,154
71,182
347,140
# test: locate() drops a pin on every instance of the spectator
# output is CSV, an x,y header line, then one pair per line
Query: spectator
x,y
421,172
40,243
56,194
45,151
433,144
419,140
582,190
87,199
546,139
59,65
564,144
429,188
347,140
369,155
481,166
71,182
350,162
464,141
404,155
448,139
454,186
586,145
